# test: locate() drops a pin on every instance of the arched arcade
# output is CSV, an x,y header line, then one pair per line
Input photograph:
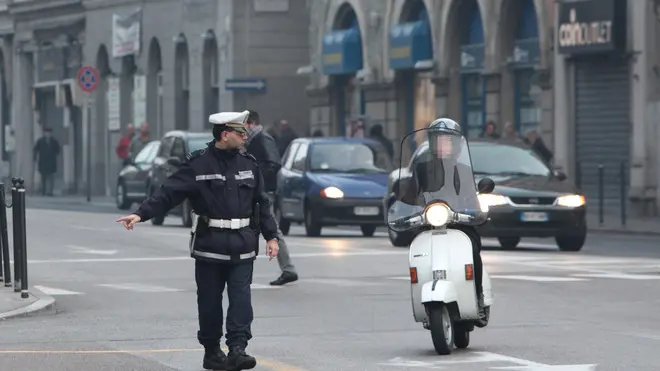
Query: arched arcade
x,y
341,60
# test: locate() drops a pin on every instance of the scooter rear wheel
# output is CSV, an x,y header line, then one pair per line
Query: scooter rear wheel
x,y
461,337
442,329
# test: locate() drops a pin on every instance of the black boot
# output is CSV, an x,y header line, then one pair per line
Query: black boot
x,y
239,360
214,359
285,278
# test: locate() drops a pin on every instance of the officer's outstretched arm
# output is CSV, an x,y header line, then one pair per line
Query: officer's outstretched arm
x,y
174,190
267,222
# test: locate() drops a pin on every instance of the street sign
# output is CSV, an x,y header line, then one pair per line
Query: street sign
x,y
88,78
245,84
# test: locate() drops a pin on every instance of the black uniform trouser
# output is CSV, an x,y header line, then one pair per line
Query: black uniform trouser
x,y
211,279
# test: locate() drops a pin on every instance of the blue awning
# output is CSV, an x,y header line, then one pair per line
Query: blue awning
x,y
410,43
342,52
526,53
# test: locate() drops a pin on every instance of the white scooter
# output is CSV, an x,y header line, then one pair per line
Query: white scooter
x,y
442,275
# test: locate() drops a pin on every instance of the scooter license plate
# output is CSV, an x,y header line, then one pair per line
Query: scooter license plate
x,y
533,216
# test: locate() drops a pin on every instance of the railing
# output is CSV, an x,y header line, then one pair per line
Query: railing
x,y
602,171
17,206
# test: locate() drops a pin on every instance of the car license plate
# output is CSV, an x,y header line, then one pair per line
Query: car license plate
x,y
366,211
534,217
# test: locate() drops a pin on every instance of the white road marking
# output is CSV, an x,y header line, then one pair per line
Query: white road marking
x,y
464,358
258,286
85,250
139,287
495,242
341,282
590,367
55,291
335,254
538,278
621,276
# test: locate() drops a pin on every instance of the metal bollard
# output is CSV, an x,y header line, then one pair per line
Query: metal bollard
x,y
623,193
601,193
4,238
22,236
18,254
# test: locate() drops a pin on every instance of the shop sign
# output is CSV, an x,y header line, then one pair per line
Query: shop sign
x,y
590,26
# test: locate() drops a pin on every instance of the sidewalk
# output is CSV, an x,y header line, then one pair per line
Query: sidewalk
x,y
612,224
11,304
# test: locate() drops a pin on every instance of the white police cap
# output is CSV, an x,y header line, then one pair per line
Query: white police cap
x,y
229,118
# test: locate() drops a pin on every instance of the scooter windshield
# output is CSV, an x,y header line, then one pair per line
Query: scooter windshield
x,y
440,171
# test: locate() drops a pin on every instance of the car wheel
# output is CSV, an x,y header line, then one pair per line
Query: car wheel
x,y
368,230
312,225
186,214
284,224
571,243
122,201
509,243
400,239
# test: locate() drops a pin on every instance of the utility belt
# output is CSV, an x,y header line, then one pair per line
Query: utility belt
x,y
202,223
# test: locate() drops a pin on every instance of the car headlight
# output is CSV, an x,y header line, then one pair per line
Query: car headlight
x,y
332,192
571,201
487,200
437,215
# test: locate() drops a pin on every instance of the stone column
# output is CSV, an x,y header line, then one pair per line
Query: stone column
x,y
492,87
22,118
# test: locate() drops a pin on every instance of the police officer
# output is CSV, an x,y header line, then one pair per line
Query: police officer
x,y
226,190
263,147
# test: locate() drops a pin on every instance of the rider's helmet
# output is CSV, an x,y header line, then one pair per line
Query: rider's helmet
x,y
444,137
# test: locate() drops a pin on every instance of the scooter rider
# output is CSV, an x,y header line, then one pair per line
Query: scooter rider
x,y
445,136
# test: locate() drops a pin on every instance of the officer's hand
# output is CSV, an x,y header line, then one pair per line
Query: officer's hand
x,y
129,221
272,248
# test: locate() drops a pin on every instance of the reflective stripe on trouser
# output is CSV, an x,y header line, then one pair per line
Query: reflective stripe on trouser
x,y
283,258
212,255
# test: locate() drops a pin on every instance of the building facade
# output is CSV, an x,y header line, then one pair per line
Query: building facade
x,y
169,63
402,63
607,95
583,73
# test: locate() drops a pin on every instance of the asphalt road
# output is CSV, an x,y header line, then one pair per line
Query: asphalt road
x,y
127,301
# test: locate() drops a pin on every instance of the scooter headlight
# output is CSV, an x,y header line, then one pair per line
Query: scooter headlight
x,y
437,215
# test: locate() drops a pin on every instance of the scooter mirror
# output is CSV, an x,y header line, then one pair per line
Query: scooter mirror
x,y
485,186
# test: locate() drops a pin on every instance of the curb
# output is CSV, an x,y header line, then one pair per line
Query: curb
x,y
606,230
44,302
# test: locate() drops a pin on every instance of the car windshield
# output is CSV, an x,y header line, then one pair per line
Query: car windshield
x,y
349,158
196,143
499,159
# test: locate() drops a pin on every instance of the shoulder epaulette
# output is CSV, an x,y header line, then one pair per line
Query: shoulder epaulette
x,y
195,154
248,155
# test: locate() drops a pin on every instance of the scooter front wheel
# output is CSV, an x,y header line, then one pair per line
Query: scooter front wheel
x,y
442,328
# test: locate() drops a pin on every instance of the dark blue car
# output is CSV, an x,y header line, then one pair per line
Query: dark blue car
x,y
332,181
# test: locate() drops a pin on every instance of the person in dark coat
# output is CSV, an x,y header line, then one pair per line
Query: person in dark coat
x,y
538,146
376,133
287,135
46,151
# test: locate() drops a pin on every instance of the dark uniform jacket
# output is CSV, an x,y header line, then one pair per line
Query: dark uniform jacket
x,y
264,148
220,184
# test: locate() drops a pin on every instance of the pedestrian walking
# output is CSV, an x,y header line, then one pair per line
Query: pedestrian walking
x,y
226,191
46,152
264,148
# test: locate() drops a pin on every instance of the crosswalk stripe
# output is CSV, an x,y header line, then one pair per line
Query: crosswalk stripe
x,y
621,276
55,291
538,278
139,287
